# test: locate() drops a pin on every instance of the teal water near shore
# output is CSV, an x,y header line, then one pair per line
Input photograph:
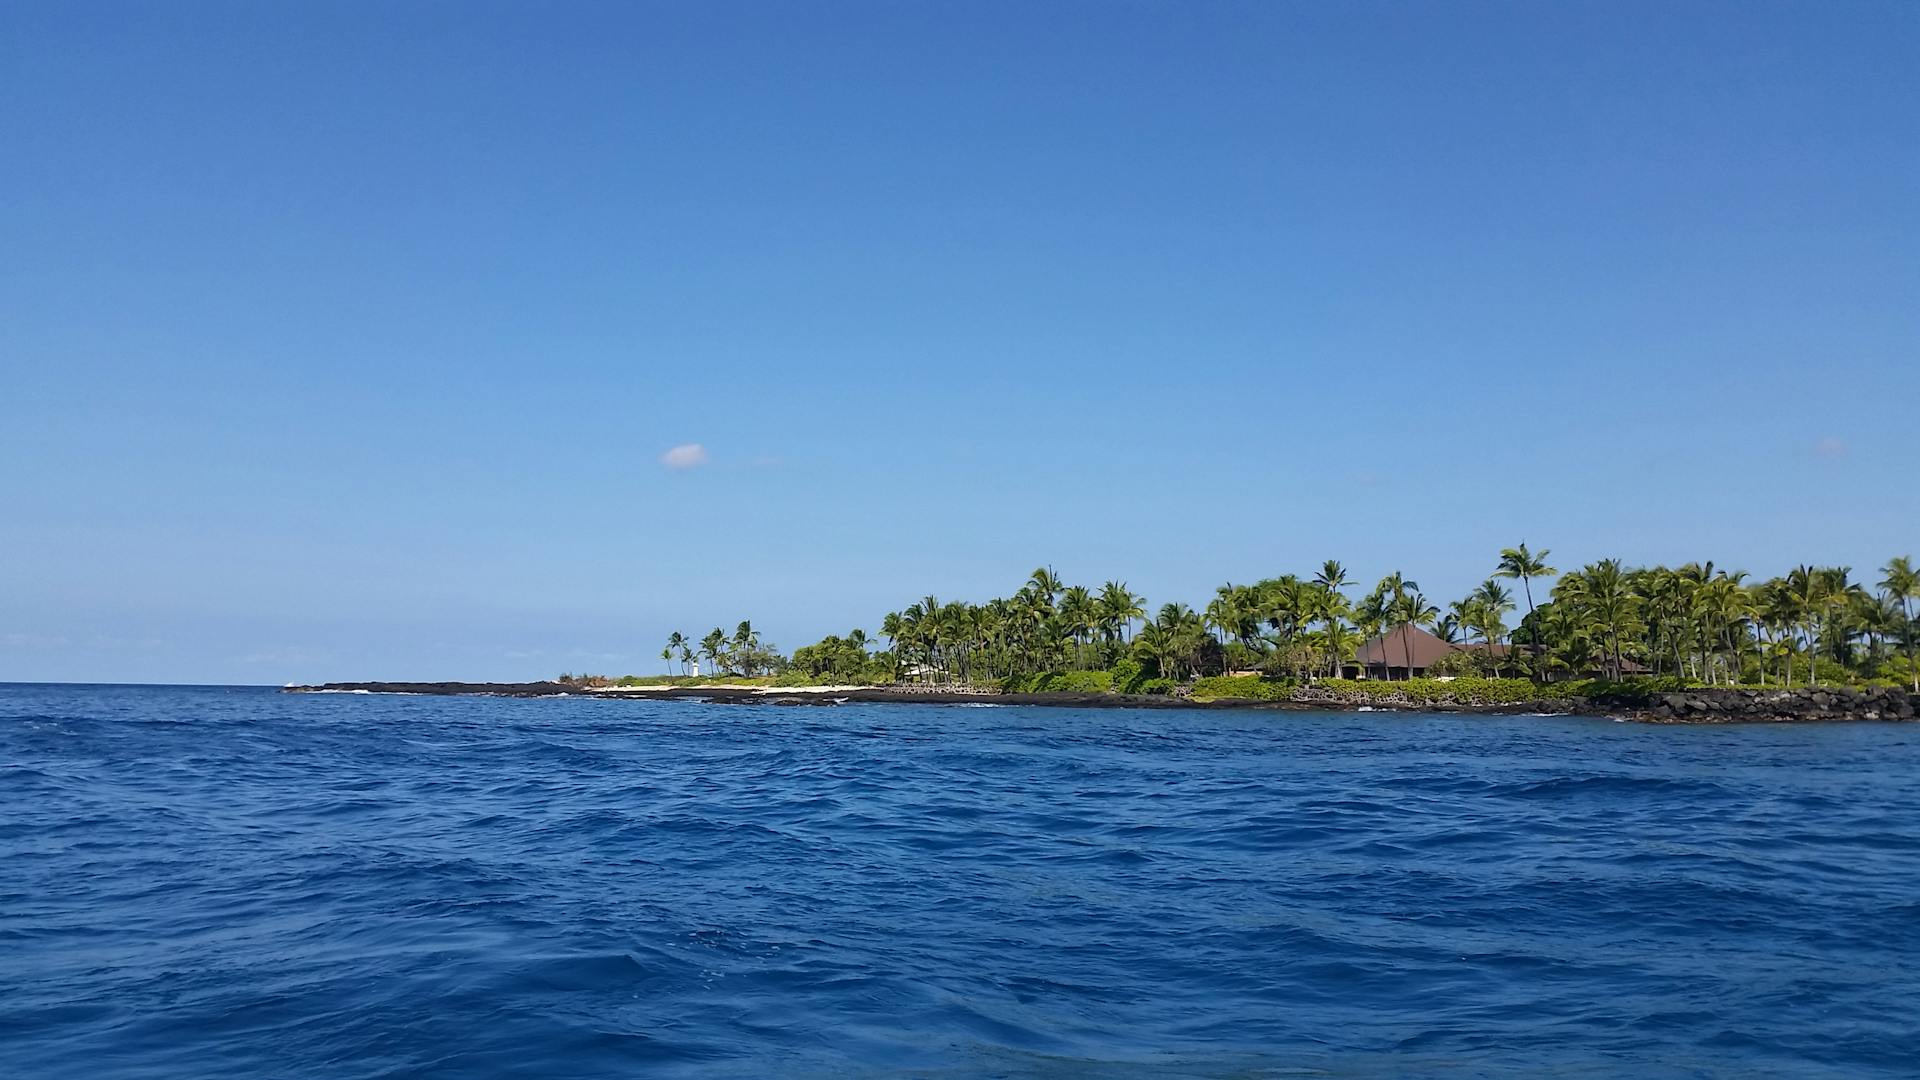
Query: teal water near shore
x,y
244,883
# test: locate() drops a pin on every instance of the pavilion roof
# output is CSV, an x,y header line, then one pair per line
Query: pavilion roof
x,y
1392,648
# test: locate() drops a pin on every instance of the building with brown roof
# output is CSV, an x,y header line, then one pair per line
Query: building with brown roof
x,y
1402,652
1407,651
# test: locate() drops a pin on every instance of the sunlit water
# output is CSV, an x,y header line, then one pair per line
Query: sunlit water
x,y
247,884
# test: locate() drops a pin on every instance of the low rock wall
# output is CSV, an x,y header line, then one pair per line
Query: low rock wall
x,y
1746,706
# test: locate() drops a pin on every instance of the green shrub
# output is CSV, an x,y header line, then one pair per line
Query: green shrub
x,y
1157,686
1473,663
1060,682
1128,674
1469,690
1086,682
1251,687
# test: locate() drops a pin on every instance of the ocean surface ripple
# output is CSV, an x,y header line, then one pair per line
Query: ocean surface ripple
x,y
235,882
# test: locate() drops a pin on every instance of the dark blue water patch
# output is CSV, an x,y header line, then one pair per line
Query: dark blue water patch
x,y
242,883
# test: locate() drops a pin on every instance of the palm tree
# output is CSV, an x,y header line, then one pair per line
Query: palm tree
x,y
1669,599
1492,601
1370,617
1902,583
676,645
712,647
1694,620
1237,611
1118,609
1337,640
892,628
1158,643
1726,606
1287,604
1497,597
1602,594
1332,577
1079,617
1805,591
1223,612
957,627
1844,615
1412,610
1396,597
923,619
1518,562
995,627
1180,632
745,647
1879,618
1780,612
1037,631
1569,636
1045,582
1328,608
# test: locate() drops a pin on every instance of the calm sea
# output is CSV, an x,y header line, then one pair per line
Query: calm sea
x,y
239,883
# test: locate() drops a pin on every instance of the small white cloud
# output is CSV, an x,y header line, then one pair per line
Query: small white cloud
x,y
1830,447
685,456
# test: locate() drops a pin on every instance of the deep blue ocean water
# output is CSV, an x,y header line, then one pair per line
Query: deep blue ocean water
x,y
239,883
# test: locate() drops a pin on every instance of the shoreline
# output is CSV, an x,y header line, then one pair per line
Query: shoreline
x,y
1707,705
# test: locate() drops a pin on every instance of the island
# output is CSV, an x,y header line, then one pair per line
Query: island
x,y
1689,644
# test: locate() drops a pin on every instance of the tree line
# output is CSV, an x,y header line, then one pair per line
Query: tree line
x,y
1812,624
742,653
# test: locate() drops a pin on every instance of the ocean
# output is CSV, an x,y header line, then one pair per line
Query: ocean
x,y
235,882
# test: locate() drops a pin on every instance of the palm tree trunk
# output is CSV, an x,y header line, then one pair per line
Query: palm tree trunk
x,y
1906,608
1527,584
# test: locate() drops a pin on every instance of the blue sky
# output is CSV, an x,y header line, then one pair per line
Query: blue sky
x,y
346,340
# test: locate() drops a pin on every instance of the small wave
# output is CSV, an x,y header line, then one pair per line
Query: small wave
x,y
1604,785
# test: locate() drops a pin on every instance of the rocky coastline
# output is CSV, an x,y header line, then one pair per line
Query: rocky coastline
x,y
1697,706
1749,706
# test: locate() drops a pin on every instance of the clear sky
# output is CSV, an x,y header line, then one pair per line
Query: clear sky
x,y
346,340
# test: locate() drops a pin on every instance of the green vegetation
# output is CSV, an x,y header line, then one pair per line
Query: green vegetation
x,y
836,661
1431,691
741,654
1071,682
1813,625
1242,687
1603,625
677,680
